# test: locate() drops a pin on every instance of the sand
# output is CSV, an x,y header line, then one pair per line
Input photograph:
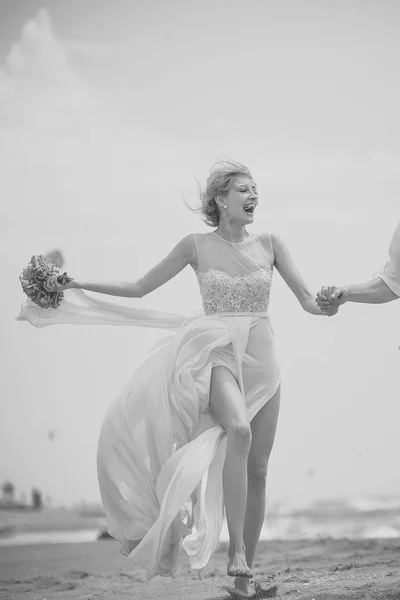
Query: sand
x,y
303,570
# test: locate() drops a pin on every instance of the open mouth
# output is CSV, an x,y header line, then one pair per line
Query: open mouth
x,y
249,209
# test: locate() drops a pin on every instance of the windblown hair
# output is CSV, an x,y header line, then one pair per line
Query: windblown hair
x,y
222,177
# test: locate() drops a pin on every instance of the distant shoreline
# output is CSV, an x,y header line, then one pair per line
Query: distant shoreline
x,y
333,520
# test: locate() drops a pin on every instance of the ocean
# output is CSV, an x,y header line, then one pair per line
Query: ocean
x,y
356,518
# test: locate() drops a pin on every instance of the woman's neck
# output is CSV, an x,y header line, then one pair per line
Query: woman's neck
x,y
232,233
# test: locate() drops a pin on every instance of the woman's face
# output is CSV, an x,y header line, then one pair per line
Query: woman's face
x,y
241,201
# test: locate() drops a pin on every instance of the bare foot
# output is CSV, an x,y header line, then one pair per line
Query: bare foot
x,y
237,566
256,593
237,594
243,584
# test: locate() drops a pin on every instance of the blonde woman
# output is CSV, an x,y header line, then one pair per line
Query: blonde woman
x,y
193,430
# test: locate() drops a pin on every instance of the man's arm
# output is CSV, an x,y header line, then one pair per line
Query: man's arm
x,y
390,274
372,292
385,287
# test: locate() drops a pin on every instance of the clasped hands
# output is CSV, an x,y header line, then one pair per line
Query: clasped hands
x,y
329,298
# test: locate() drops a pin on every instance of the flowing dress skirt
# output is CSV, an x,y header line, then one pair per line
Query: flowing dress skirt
x,y
160,454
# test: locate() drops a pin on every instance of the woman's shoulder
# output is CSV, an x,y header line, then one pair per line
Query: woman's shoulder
x,y
186,248
199,239
270,240
266,239
190,245
263,236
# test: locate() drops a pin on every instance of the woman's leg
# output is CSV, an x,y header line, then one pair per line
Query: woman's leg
x,y
228,408
263,428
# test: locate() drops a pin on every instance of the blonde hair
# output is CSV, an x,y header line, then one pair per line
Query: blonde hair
x,y
220,180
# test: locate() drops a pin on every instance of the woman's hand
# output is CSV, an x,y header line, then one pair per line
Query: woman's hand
x,y
329,298
52,285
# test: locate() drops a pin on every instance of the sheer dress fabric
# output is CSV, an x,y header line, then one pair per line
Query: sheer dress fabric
x,y
160,453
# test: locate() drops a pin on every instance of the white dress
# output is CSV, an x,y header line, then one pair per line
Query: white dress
x,y
160,454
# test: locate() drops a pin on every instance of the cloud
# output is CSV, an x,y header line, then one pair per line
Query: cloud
x,y
50,146
65,155
84,49
38,83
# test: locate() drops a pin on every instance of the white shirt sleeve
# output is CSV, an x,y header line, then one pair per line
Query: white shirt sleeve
x,y
390,274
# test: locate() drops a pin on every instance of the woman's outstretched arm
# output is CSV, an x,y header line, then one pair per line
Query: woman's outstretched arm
x,y
291,275
183,254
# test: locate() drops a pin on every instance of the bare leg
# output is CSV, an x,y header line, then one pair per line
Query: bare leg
x,y
263,428
229,409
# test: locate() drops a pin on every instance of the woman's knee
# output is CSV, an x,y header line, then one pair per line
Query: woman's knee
x,y
239,431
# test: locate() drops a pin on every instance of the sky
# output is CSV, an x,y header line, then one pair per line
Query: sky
x,y
109,112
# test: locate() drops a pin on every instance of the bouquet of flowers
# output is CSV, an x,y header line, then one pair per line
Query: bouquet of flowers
x,y
35,276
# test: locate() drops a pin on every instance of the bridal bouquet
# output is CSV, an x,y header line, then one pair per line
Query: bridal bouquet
x,y
35,276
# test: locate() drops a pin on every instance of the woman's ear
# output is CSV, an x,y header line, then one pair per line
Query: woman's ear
x,y
220,201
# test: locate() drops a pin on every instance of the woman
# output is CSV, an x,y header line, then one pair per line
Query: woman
x,y
195,426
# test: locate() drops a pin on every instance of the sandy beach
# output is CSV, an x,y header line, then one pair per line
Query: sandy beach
x,y
303,570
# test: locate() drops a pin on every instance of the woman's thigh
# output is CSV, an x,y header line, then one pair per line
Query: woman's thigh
x,y
227,405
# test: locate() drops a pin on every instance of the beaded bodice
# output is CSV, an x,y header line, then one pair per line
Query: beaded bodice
x,y
222,292
233,279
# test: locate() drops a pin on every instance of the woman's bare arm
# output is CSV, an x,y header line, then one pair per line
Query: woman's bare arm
x,y
291,275
183,254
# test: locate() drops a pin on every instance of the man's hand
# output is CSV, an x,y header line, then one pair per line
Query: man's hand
x,y
329,298
339,294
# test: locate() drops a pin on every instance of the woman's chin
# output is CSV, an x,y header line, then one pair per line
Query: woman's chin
x,y
245,220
